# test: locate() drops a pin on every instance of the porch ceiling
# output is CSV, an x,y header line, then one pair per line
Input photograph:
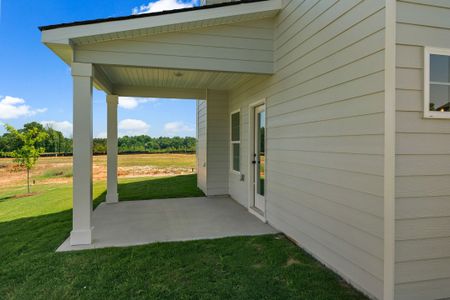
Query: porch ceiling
x,y
153,82
168,78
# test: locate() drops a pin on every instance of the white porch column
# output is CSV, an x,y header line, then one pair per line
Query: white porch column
x,y
111,144
82,154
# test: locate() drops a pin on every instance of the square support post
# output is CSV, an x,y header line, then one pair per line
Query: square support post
x,y
82,154
112,149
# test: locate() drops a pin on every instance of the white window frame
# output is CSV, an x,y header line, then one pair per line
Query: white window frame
x,y
232,170
426,89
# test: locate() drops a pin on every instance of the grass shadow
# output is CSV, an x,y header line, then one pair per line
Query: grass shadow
x,y
7,198
18,196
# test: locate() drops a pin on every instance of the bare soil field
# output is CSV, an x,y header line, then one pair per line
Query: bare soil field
x,y
51,170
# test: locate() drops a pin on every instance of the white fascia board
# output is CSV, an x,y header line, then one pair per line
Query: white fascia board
x,y
63,35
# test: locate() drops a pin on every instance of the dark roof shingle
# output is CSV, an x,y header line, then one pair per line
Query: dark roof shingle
x,y
165,12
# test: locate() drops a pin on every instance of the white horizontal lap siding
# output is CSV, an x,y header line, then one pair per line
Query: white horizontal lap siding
x,y
201,144
423,159
217,142
240,47
325,126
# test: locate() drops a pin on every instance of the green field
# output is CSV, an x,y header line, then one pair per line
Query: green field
x,y
264,267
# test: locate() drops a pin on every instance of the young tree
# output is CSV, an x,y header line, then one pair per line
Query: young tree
x,y
28,153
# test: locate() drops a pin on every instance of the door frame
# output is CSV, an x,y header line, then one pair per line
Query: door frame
x,y
251,151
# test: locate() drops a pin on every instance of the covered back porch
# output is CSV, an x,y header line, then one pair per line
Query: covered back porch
x,y
119,224
197,54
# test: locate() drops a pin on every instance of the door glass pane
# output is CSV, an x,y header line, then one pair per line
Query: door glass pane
x,y
261,158
235,130
236,164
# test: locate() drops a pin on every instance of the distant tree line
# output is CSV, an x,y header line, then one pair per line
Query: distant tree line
x,y
56,143
147,144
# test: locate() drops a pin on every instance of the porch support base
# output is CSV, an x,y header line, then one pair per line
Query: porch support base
x,y
81,237
112,198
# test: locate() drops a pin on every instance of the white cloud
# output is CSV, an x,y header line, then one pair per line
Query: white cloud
x,y
132,127
178,129
65,127
128,102
132,102
161,5
13,108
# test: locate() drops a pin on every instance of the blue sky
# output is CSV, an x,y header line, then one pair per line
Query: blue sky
x,y
35,85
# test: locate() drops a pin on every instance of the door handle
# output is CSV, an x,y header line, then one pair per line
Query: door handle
x,y
253,161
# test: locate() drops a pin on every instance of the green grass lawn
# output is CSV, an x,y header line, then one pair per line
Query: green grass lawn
x,y
264,267
164,187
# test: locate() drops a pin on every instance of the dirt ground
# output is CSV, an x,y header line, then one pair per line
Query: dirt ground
x,y
59,169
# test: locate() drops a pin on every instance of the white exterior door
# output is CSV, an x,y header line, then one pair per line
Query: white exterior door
x,y
259,159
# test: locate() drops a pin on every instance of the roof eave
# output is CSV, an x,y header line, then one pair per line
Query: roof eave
x,y
66,32
144,15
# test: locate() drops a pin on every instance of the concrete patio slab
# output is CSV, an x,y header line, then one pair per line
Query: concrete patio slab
x,y
131,223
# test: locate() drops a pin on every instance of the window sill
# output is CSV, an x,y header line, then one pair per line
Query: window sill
x,y
436,115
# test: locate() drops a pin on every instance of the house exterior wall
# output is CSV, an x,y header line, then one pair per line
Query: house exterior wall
x,y
423,159
212,143
217,135
325,130
201,145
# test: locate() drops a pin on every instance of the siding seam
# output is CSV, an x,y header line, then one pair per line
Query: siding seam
x,y
389,149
